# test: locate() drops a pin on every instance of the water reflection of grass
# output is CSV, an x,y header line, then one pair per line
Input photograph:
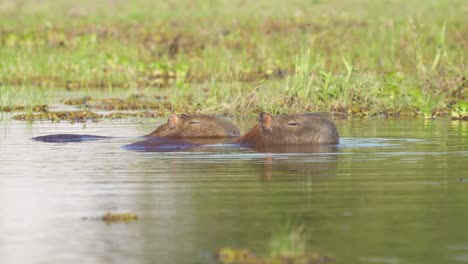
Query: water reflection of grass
x,y
299,56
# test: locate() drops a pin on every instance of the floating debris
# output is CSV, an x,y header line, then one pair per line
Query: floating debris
x,y
460,180
228,255
125,217
233,255
17,108
113,218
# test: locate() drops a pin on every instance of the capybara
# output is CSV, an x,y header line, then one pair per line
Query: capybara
x,y
185,126
306,128
196,126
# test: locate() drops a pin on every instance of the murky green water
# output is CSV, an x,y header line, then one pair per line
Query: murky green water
x,y
389,193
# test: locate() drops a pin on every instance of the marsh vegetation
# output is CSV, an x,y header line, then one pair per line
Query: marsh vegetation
x,y
236,57
391,192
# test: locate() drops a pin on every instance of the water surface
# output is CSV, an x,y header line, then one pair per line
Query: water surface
x,y
388,193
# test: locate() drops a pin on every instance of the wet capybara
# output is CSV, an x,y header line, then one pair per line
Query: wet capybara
x,y
196,126
183,126
306,128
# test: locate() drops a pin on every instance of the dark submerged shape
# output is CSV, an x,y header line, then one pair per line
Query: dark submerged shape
x,y
160,144
306,128
61,138
196,126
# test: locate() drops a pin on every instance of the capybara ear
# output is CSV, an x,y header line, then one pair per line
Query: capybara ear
x,y
173,120
266,120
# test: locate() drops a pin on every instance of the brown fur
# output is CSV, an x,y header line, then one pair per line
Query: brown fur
x,y
306,128
252,138
196,126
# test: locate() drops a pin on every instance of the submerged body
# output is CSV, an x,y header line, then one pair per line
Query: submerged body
x,y
305,128
63,138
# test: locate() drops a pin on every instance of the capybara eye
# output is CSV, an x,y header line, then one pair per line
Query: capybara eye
x,y
293,123
194,122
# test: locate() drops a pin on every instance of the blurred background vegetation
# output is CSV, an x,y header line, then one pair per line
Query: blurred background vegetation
x,y
359,57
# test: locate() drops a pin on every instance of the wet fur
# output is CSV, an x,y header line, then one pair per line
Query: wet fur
x,y
253,137
185,126
312,128
204,127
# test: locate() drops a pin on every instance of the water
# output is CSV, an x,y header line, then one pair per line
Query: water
x,y
389,193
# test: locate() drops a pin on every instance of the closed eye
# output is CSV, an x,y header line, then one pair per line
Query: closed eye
x,y
293,123
194,122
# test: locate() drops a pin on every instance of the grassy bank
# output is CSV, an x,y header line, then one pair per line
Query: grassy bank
x,y
358,57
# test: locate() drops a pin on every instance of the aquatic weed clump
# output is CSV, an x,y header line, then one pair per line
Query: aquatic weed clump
x,y
227,255
20,108
132,102
287,246
110,218
70,116
460,111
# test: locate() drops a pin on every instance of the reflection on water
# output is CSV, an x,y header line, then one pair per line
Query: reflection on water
x,y
388,193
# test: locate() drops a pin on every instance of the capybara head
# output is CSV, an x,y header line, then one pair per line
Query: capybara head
x,y
306,128
196,126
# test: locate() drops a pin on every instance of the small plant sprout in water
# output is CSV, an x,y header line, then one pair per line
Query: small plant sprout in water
x,y
288,242
4,96
460,111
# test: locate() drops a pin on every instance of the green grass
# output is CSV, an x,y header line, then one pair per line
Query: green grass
x,y
239,57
